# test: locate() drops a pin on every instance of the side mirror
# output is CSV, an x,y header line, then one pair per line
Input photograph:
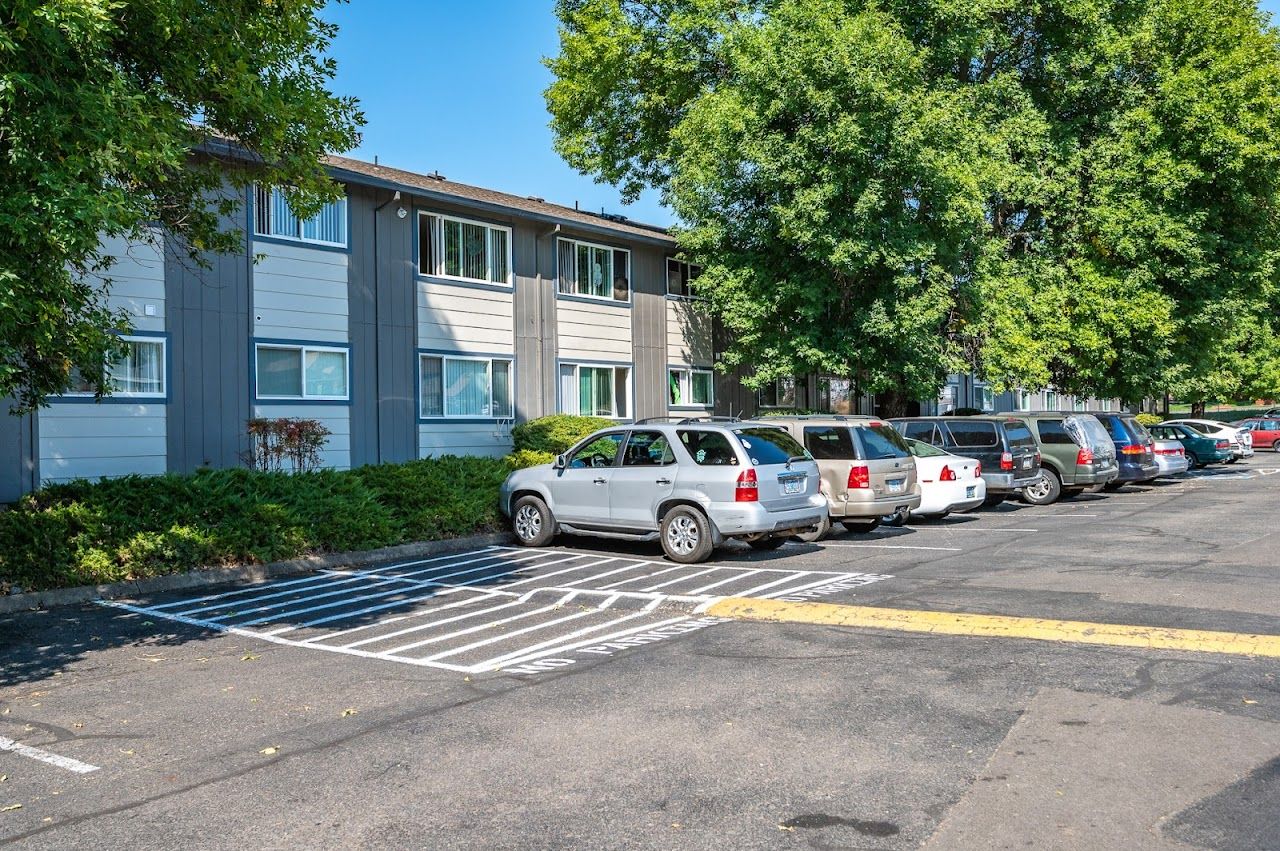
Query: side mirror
x,y
558,464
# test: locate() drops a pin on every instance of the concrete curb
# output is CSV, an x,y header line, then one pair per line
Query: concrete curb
x,y
245,573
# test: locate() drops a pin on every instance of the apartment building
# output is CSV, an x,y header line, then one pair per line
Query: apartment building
x,y
415,317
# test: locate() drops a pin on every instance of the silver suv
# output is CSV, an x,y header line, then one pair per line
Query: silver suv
x,y
692,484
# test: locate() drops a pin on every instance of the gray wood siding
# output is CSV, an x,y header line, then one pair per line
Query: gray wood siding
x,y
337,418
209,319
84,440
19,453
299,293
533,319
382,329
649,331
436,439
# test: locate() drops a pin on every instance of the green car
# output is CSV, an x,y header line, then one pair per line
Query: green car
x,y
1077,454
1201,448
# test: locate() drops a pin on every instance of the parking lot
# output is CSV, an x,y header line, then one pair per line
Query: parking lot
x,y
584,695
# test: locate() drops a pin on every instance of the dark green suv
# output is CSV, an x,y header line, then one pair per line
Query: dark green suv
x,y
1076,451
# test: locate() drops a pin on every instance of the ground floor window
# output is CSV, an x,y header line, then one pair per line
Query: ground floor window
x,y
690,387
301,371
984,398
457,386
140,373
594,390
1050,400
783,393
1024,400
835,395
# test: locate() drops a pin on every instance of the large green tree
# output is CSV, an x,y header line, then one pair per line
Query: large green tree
x,y
108,109
1049,191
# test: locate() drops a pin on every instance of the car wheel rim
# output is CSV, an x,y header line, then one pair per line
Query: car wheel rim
x,y
1039,490
528,523
682,535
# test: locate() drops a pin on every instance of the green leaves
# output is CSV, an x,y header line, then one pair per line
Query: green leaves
x,y
102,105
1073,193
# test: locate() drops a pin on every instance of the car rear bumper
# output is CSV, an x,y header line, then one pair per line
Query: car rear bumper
x,y
1008,482
1173,466
1138,472
1090,475
940,497
752,518
877,507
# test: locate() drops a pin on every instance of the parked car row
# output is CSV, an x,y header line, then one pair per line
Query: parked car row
x,y
694,483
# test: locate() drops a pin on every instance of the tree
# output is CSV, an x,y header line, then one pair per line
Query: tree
x,y
1047,192
113,120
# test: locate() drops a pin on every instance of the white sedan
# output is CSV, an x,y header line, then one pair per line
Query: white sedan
x,y
1241,438
947,482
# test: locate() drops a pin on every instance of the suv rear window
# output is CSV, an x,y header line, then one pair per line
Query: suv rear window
x,y
830,443
1053,432
881,441
1138,429
1018,434
769,445
927,432
1116,427
976,434
708,448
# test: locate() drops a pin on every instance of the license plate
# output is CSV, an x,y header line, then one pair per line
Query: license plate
x,y
1026,463
790,486
970,491
895,485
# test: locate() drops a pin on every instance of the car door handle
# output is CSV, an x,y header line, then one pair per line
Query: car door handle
x,y
599,481
664,481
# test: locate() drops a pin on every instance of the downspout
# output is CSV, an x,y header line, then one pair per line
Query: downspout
x,y
377,335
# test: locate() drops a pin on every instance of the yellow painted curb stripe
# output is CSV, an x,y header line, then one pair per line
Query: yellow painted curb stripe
x,y
996,626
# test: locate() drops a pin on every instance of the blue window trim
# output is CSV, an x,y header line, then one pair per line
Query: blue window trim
x,y
251,225
691,368
132,400
612,302
457,282
254,342
631,381
456,353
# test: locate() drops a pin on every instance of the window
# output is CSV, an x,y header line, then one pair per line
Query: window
x,y
273,217
708,448
766,445
449,247
1054,432
594,271
880,442
680,278
457,386
947,398
829,443
301,372
782,393
975,434
594,391
601,452
984,398
139,374
1024,400
690,387
1018,434
835,395
1050,400
925,432
1080,404
648,449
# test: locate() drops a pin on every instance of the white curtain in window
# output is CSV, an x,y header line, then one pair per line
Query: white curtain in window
x,y
474,244
466,388
431,392
329,225
568,389
565,267
498,256
141,370
502,388
283,221
326,374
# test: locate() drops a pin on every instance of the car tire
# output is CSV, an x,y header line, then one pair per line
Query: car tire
x,y
824,529
532,523
1193,462
686,535
992,500
766,544
1233,459
1275,447
861,526
1045,491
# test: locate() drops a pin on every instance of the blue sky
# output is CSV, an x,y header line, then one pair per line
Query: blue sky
x,y
457,87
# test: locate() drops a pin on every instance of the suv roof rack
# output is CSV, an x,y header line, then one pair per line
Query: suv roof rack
x,y
648,420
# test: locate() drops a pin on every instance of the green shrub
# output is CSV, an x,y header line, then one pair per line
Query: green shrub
x,y
129,528
522,458
1149,419
555,433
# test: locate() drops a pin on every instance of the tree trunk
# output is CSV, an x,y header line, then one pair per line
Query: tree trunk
x,y
892,403
1197,409
1164,408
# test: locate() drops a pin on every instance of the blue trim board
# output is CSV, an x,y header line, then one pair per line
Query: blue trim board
x,y
607,302
254,342
251,228
132,400
417,386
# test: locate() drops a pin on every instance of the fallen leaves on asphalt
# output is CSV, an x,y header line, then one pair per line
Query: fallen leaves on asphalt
x,y
347,713
269,751
250,657
10,807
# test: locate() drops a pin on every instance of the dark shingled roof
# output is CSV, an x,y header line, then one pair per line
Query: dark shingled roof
x,y
437,186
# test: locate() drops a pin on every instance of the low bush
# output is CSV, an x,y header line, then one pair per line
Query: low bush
x,y
523,458
555,433
134,527
1149,420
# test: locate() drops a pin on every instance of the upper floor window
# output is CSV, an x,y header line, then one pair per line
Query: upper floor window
x,y
464,387
302,371
139,374
450,247
1050,400
680,278
593,271
272,216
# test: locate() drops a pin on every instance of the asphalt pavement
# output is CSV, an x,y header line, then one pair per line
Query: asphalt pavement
x,y
588,696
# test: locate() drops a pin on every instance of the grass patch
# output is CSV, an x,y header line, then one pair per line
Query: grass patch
x,y
135,527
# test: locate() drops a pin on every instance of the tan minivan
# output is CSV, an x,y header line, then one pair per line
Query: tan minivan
x,y
867,470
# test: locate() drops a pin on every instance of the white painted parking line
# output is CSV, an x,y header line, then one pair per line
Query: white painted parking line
x,y
890,547
65,762
501,608
991,529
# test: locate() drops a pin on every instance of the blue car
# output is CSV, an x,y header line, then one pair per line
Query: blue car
x,y
1135,448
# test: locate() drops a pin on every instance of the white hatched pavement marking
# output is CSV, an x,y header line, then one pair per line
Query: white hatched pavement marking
x,y
484,601
44,756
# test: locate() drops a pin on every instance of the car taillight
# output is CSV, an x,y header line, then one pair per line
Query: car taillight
x,y
1006,461
1224,444
977,470
859,478
748,489
1133,449
1084,456
948,475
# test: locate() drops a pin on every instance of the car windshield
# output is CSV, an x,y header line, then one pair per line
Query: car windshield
x,y
920,449
881,441
769,445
